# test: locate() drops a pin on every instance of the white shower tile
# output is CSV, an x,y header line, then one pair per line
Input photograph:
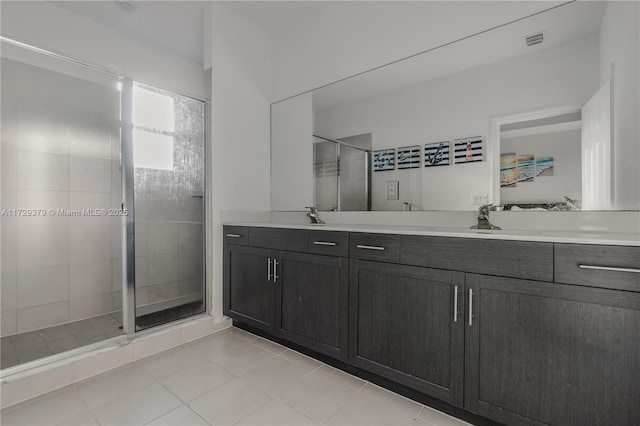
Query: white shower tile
x,y
88,243
90,201
43,285
8,200
89,139
42,132
42,171
142,296
39,201
42,247
116,177
8,289
86,307
42,316
163,268
9,244
165,291
142,238
142,271
89,174
89,278
116,274
191,267
159,244
8,323
116,239
8,172
116,301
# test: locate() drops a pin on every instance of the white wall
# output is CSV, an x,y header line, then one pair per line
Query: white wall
x,y
619,46
291,147
351,36
50,27
462,105
240,126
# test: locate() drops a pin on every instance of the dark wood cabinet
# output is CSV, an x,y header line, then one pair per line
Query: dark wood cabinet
x,y
406,324
522,333
249,294
311,302
548,353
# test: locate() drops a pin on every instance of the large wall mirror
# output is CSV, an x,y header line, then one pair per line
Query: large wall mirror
x,y
540,113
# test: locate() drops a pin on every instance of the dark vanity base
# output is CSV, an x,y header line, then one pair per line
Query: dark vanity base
x,y
375,379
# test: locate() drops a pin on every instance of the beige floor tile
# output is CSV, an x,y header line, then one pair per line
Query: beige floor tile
x,y
342,378
276,413
195,381
183,416
84,419
391,398
268,346
300,359
362,409
241,334
276,375
230,402
440,419
243,358
168,363
137,408
112,385
49,409
318,396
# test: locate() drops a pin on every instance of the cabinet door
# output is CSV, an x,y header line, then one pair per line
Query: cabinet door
x,y
543,353
403,326
311,302
248,286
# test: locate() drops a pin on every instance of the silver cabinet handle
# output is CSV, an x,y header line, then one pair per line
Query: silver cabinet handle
x,y
234,235
275,270
324,243
269,269
609,268
455,303
361,246
470,306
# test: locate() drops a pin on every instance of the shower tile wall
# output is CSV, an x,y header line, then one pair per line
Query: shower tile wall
x,y
60,150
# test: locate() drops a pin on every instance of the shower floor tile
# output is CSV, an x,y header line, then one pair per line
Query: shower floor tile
x,y
32,345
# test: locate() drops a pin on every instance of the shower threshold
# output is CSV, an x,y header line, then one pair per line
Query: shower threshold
x,y
24,347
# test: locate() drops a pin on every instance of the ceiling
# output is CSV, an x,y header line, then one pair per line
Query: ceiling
x,y
175,26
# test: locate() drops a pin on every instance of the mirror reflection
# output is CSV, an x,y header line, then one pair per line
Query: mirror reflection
x,y
443,126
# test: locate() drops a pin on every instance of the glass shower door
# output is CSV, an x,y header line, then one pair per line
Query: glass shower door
x,y
167,148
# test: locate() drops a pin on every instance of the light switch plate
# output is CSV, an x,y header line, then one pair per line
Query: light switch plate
x,y
480,199
392,190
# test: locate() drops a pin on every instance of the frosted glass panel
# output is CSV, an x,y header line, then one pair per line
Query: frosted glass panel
x,y
169,182
152,109
152,150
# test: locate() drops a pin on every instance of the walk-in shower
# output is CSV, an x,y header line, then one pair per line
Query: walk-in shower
x,y
102,198
342,173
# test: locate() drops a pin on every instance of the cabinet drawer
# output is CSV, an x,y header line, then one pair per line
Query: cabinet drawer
x,y
279,239
237,235
380,247
517,259
331,243
598,266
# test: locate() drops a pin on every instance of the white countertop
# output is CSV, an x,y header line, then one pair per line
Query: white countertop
x,y
575,237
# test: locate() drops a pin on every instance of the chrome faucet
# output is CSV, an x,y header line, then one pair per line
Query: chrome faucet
x,y
483,218
313,215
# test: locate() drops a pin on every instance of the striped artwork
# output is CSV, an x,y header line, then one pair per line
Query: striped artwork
x,y
468,150
436,154
409,157
384,160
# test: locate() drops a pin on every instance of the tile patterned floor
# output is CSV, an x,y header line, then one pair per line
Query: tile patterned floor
x,y
232,377
25,347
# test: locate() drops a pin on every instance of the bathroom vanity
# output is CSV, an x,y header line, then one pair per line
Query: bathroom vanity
x,y
521,329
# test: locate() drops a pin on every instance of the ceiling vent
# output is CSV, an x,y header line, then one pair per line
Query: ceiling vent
x,y
534,39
